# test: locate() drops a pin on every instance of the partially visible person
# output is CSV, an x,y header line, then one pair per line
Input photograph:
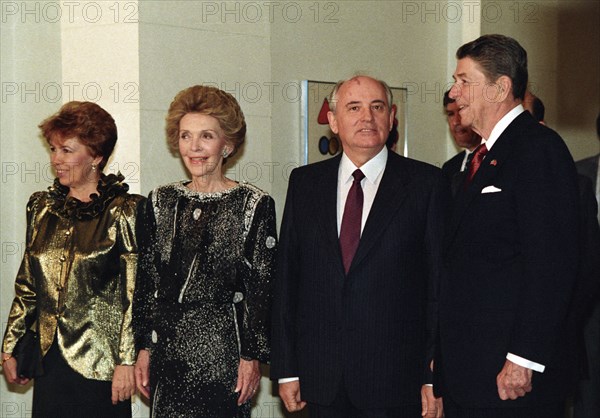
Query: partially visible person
x,y
392,140
207,248
511,251
584,313
587,398
589,167
355,304
535,106
77,277
464,137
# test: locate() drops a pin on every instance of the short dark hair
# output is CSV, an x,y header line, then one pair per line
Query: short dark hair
x,y
538,109
447,99
499,55
92,125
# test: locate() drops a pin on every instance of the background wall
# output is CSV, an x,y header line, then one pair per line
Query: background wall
x,y
562,39
133,57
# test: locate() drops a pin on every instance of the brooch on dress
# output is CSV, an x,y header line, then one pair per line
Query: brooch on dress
x,y
196,214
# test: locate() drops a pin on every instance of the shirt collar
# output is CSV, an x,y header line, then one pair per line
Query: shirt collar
x,y
502,125
372,169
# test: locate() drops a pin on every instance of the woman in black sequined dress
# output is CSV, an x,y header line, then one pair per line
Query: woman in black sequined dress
x,y
207,248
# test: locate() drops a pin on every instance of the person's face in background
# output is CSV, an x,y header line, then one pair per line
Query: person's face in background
x,y
463,135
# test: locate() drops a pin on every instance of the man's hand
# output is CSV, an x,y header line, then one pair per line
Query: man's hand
x,y
142,372
513,381
431,407
123,383
290,395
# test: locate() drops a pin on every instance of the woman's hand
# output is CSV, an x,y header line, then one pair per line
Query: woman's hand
x,y
142,372
248,379
123,383
10,371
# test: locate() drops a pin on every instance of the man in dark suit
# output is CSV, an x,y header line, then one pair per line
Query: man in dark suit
x,y
589,167
587,398
464,137
584,313
511,251
535,106
354,318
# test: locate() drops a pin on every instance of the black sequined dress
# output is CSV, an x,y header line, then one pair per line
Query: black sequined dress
x,y
203,295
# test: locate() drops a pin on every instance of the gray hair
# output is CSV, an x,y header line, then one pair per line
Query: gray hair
x,y
334,92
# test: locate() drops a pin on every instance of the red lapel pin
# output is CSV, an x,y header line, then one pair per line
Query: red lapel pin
x,y
494,163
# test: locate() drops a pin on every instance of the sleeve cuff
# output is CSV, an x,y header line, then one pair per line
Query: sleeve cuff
x,y
287,379
526,363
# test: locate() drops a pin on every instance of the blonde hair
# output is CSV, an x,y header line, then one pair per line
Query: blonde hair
x,y
209,101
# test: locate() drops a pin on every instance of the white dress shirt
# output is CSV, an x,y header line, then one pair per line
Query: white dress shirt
x,y
463,166
373,171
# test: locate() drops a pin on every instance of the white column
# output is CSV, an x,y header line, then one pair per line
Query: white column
x,y
100,63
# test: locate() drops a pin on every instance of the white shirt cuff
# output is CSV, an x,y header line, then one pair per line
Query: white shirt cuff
x,y
526,363
288,379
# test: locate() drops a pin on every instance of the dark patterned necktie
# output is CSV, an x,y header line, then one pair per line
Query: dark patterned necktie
x,y
351,221
478,155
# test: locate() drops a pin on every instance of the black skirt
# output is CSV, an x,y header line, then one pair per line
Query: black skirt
x,y
63,393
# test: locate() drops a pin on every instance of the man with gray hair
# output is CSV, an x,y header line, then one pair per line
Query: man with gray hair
x,y
358,268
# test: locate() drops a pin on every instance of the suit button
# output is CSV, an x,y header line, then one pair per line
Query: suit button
x,y
63,258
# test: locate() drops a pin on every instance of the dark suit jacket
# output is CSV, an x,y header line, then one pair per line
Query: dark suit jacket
x,y
368,330
451,170
585,293
510,266
589,168
452,166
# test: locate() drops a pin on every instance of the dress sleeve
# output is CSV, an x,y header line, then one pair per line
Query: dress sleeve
x,y
260,250
128,260
22,312
146,277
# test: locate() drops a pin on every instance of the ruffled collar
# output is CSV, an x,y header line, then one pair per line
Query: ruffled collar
x,y
109,186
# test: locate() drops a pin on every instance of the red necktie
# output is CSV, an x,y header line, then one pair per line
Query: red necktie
x,y
478,155
351,221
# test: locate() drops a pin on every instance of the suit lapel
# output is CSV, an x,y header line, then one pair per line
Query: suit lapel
x,y
327,183
484,176
391,194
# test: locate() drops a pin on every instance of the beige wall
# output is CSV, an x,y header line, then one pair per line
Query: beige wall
x,y
30,81
562,39
142,54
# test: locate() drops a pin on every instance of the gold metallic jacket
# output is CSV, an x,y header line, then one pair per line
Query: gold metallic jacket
x,y
77,277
